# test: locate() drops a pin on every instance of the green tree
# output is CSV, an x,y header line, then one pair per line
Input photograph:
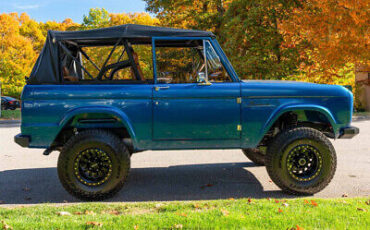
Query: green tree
x,y
97,18
253,41
248,30
192,14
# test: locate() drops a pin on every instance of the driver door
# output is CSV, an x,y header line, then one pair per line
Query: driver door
x,y
188,108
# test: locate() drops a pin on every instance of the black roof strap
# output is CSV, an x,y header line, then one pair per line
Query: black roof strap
x,y
66,50
88,58
129,49
101,73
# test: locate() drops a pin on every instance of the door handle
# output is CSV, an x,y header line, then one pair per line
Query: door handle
x,y
157,88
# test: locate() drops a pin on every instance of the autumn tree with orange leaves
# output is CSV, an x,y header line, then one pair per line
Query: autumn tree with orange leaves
x,y
310,40
338,32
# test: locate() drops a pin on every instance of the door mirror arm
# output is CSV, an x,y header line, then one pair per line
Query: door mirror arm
x,y
205,83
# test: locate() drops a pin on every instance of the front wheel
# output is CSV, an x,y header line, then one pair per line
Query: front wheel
x,y
301,161
93,165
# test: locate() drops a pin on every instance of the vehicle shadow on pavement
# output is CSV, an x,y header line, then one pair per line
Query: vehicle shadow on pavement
x,y
182,182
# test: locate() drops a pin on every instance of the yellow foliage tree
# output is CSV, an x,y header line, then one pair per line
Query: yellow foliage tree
x,y
16,55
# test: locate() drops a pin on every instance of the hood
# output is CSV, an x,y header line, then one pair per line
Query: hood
x,y
271,88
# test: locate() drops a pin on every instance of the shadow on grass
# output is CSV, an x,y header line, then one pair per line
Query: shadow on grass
x,y
175,183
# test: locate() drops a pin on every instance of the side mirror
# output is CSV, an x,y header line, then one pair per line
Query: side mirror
x,y
202,80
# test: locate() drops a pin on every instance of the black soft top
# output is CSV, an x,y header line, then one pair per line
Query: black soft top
x,y
108,36
47,69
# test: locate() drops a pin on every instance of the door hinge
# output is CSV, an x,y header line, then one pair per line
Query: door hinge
x,y
239,100
239,127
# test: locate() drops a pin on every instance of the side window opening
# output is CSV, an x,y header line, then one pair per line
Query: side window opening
x,y
123,63
188,62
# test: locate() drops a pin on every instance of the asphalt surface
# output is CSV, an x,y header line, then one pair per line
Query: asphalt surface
x,y
28,177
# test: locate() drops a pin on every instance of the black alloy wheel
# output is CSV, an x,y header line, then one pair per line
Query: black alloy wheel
x,y
301,161
94,165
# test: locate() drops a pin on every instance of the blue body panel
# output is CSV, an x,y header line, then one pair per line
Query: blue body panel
x,y
180,116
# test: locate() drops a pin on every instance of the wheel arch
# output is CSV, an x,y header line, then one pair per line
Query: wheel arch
x,y
278,113
102,117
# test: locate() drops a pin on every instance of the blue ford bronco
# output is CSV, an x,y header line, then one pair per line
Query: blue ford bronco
x,y
98,96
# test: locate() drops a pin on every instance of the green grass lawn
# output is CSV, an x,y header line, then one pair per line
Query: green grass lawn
x,y
307,213
10,114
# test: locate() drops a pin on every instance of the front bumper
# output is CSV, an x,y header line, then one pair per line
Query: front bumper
x,y
349,132
22,140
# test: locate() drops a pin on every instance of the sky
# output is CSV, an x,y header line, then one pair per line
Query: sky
x,y
58,10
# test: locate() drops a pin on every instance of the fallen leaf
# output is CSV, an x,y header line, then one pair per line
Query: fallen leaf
x,y
196,206
225,212
270,181
231,198
367,202
314,203
298,228
78,213
178,226
63,213
114,212
362,209
87,212
93,223
268,198
345,195
280,210
276,201
5,226
249,200
181,214
285,204
207,185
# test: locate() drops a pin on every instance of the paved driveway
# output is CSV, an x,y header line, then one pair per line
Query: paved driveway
x,y
28,177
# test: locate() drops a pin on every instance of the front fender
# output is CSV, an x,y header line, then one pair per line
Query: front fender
x,y
291,108
118,114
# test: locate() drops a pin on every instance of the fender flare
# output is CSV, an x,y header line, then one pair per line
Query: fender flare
x,y
291,108
116,113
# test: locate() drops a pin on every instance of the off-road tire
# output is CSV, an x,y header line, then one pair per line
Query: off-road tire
x,y
255,155
276,160
112,146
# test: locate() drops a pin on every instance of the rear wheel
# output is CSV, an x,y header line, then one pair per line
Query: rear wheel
x,y
301,161
255,155
93,165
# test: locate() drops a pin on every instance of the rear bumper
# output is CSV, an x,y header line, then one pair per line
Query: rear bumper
x,y
349,132
22,140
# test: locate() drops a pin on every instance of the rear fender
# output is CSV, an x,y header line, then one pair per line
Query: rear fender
x,y
98,117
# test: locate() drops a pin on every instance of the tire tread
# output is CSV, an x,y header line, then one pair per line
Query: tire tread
x,y
63,158
294,134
